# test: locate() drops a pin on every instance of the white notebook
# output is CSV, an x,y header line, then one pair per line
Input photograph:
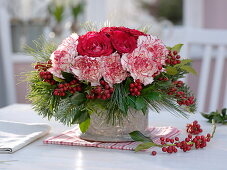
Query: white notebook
x,y
15,135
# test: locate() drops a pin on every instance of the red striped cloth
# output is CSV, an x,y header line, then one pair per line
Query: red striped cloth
x,y
70,137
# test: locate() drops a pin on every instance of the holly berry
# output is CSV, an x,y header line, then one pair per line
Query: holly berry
x,y
135,88
104,91
71,87
194,128
153,153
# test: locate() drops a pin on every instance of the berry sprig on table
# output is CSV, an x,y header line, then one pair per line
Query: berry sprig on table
x,y
194,128
172,145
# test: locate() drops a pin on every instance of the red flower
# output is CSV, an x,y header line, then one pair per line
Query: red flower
x,y
123,42
132,32
94,44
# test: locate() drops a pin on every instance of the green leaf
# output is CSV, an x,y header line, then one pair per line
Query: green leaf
x,y
68,76
152,96
77,116
224,111
139,137
127,83
207,116
218,119
177,47
184,62
144,146
57,79
171,70
84,125
145,110
131,101
147,89
169,48
189,69
140,103
78,98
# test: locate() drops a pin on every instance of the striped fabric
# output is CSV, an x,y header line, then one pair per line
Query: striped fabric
x,y
70,137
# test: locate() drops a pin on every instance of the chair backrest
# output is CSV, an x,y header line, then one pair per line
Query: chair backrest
x,y
213,52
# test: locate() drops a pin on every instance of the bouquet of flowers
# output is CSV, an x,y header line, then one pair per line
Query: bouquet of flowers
x,y
109,71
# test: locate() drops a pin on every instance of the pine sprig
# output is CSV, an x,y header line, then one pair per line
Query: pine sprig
x,y
43,101
42,51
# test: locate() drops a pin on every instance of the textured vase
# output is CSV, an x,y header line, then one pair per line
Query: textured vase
x,y
99,130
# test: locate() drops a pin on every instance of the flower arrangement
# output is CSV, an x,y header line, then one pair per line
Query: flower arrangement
x,y
111,71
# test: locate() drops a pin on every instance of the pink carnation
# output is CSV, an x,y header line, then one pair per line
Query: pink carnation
x,y
141,65
155,46
70,44
88,69
63,58
112,69
144,61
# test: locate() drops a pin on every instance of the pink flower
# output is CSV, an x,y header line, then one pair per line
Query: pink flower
x,y
88,69
70,44
155,46
63,58
140,64
112,69
61,61
144,61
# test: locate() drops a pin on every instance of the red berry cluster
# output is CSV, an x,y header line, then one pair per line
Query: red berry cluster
x,y
194,128
135,88
43,66
182,97
173,145
163,78
47,77
173,58
70,87
101,92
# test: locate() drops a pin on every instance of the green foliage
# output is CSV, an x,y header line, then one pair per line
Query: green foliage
x,y
76,10
144,146
139,137
68,76
85,125
57,11
41,96
42,51
171,70
218,117
177,47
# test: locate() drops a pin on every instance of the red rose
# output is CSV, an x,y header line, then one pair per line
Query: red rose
x,y
132,32
123,42
94,44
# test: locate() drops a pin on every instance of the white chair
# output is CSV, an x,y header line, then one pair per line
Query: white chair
x,y
6,63
214,49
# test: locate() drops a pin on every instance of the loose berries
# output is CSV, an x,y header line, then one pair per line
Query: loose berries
x,y
172,145
194,128
135,88
153,153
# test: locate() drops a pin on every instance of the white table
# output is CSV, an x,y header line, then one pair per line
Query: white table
x,y
39,156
